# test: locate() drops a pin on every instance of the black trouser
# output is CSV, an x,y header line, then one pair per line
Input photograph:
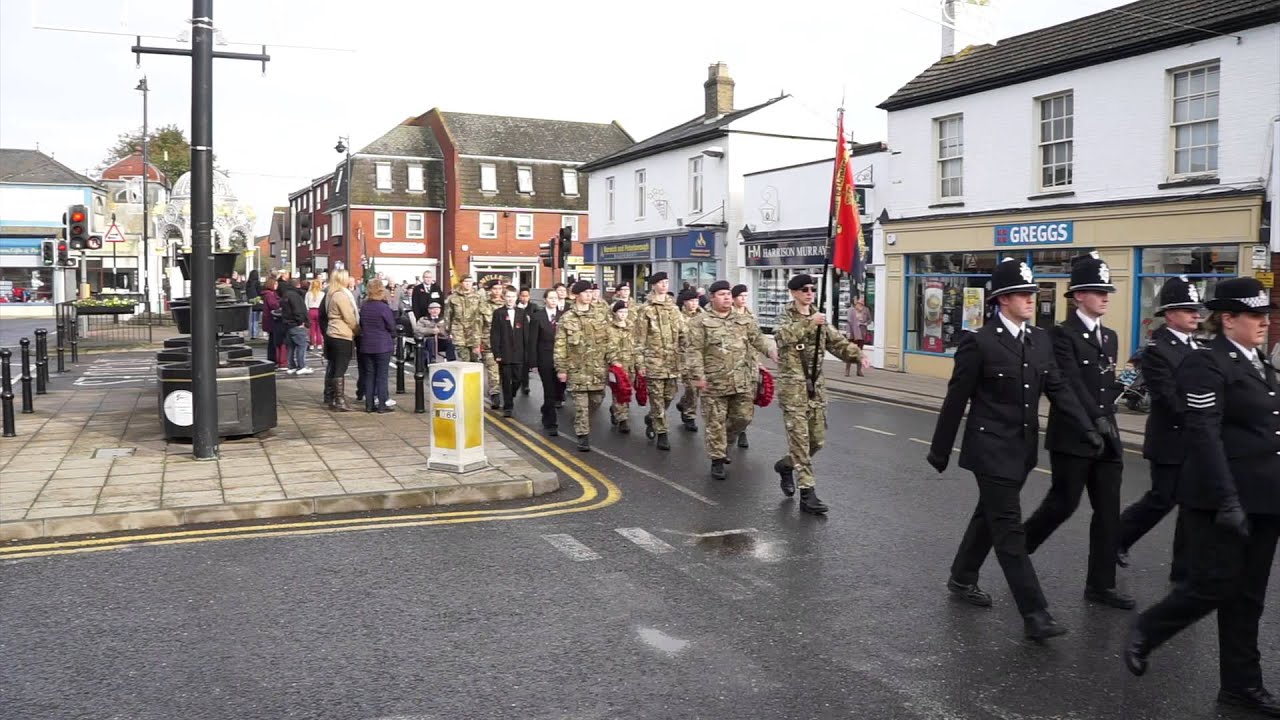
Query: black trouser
x,y
552,390
1227,573
339,352
1139,518
997,522
510,374
1072,475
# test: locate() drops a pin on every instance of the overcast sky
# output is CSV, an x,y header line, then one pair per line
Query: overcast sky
x,y
641,64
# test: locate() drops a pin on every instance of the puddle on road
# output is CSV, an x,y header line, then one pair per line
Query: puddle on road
x,y
742,544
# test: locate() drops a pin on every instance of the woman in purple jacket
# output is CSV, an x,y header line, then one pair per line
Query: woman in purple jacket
x,y
377,341
271,322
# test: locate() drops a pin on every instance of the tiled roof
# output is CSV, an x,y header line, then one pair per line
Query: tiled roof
x,y
695,130
532,138
131,166
411,138
1125,31
33,166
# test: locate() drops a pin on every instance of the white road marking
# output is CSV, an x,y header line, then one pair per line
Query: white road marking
x,y
571,547
871,429
668,644
1042,470
716,533
918,440
654,476
645,539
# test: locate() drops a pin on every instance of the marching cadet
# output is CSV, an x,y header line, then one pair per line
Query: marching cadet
x,y
659,341
493,379
1000,372
622,293
598,306
688,403
1163,446
462,320
721,363
1229,493
739,293
624,354
800,332
582,357
1085,352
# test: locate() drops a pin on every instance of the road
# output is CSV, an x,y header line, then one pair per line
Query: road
x,y
688,598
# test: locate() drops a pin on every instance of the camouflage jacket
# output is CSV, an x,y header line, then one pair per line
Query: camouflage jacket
x,y
487,308
622,344
659,337
462,317
795,336
722,350
583,350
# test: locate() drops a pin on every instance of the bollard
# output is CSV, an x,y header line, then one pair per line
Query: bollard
x,y
75,342
6,397
419,379
399,359
28,406
62,331
42,361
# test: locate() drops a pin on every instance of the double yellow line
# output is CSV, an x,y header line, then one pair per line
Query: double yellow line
x,y
598,492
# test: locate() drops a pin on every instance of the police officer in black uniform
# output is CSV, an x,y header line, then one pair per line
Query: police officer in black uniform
x,y
1162,446
1229,492
1086,354
1000,372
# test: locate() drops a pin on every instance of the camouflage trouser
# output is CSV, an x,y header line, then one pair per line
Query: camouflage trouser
x,y
688,404
620,411
492,379
585,403
661,392
725,416
806,423
465,354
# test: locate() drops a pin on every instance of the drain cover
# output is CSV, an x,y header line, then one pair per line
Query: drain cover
x,y
113,452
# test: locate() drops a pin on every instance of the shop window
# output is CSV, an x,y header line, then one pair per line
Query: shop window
x,y
26,285
696,275
936,310
1204,265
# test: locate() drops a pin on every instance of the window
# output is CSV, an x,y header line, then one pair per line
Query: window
x,y
935,305
640,193
1195,120
413,226
382,224
695,184
524,180
416,183
570,178
324,191
1057,120
1204,265
571,222
335,223
488,225
524,226
608,199
383,176
950,132
488,178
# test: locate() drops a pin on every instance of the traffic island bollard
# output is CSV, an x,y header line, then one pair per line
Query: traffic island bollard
x,y
42,361
28,405
419,379
6,397
62,335
399,359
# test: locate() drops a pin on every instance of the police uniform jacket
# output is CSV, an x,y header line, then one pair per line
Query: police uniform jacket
x,y
1163,440
1001,379
1232,430
1090,373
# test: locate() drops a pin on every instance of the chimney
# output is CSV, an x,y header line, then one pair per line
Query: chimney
x,y
948,28
718,90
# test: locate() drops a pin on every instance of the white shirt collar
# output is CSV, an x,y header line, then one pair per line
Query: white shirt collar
x,y
1090,323
1184,337
1014,329
1249,355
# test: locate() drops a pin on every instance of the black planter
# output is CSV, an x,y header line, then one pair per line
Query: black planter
x,y
228,317
224,263
246,398
182,354
224,341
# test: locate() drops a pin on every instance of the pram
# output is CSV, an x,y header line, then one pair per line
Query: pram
x,y
1134,395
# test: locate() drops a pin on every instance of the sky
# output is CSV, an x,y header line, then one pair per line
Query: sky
x,y
357,69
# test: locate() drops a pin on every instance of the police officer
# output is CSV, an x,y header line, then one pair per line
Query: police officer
x,y
1163,446
688,402
1085,352
660,339
582,357
1229,492
1000,372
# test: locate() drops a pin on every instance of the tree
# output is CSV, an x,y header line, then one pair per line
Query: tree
x,y
167,149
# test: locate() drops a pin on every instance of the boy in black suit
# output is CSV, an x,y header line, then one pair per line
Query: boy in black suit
x,y
542,346
508,336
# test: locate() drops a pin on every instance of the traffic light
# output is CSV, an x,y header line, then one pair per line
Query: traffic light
x,y
47,253
77,220
304,227
566,243
547,253
63,259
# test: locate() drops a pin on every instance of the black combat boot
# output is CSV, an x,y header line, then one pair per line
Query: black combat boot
x,y
690,424
584,443
648,427
810,503
624,427
612,420
495,401
742,440
662,442
787,476
717,469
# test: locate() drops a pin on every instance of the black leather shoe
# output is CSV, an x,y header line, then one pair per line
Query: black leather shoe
x,y
717,469
624,427
662,442
613,420
1110,597
495,401
1122,558
553,432
648,427
787,477
971,594
728,461
1256,699
1039,626
525,391
507,413
584,443
690,424
1135,653
810,503
742,440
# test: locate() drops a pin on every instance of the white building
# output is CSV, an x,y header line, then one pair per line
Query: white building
x,y
674,202
1142,132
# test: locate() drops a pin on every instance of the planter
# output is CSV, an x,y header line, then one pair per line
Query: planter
x,y
104,310
228,318
246,401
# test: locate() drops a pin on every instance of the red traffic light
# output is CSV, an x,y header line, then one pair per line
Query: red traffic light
x,y
62,247
77,217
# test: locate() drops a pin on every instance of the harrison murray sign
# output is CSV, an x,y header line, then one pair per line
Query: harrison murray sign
x,y
786,253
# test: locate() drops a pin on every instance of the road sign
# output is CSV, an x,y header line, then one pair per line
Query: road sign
x,y
1267,278
442,384
113,234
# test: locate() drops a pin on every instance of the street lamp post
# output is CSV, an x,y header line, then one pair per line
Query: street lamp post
x,y
146,218
344,146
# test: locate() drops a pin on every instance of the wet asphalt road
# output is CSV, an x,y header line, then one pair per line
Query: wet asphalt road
x,y
621,612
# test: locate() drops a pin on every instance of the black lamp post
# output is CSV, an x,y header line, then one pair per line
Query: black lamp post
x,y
344,147
146,218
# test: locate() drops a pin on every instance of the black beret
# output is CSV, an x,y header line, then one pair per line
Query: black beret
x,y
800,281
491,283
580,287
686,295
619,306
738,290
717,286
656,278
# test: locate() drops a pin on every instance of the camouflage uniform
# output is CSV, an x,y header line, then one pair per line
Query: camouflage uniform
x,y
659,339
624,352
462,322
805,420
688,403
722,351
492,379
583,352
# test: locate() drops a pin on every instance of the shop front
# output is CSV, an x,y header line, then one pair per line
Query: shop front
x,y
401,262
622,261
940,267
694,258
521,272
23,275
774,257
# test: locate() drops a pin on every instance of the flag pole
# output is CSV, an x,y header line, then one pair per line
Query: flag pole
x,y
818,351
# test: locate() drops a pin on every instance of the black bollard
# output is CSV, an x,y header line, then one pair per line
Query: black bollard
x,y
62,332
28,405
6,397
42,361
419,379
399,359
74,331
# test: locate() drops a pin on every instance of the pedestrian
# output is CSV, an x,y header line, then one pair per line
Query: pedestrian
x,y
314,295
739,293
252,291
493,378
1229,493
377,343
622,340
856,328
1162,443
659,342
294,316
721,361
425,293
582,357
801,331
702,298
271,319
433,340
690,307
1000,372
542,341
526,308
462,319
1085,352
344,325
509,340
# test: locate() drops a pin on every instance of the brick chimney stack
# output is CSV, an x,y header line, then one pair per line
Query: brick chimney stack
x,y
718,90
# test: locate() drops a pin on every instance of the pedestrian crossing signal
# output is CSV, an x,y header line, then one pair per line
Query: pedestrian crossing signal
x,y
47,255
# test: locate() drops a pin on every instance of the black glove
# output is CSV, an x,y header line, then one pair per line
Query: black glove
x,y
1095,440
1230,515
939,462
1104,426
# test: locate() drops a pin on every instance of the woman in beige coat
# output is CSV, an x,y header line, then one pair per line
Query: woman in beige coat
x,y
344,325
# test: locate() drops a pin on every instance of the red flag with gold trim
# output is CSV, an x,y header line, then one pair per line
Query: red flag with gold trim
x,y
844,208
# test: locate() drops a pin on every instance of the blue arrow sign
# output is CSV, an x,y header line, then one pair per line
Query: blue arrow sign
x,y
442,384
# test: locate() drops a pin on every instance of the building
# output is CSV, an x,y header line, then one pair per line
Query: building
x,y
1139,132
35,192
674,202
307,219
121,264
786,232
